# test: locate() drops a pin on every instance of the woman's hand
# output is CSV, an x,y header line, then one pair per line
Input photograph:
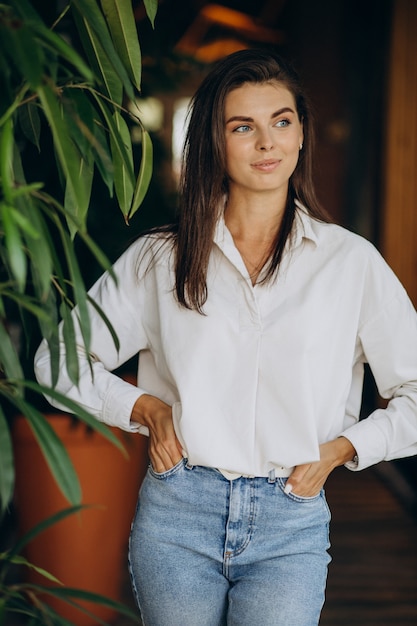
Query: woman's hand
x,y
165,450
307,480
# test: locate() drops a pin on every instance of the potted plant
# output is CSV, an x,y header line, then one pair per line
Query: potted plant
x,y
69,102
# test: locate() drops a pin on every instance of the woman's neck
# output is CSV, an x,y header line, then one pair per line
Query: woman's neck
x,y
255,218
254,224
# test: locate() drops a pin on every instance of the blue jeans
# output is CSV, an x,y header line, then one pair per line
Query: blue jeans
x,y
206,551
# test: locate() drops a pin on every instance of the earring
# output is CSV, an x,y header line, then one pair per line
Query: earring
x,y
301,146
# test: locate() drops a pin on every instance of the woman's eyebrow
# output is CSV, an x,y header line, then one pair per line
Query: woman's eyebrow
x,y
239,118
281,111
243,118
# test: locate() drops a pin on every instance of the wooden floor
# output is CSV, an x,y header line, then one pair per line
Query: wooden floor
x,y
373,575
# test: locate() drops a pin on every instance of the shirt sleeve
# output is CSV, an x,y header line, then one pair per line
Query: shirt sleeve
x,y
103,394
389,342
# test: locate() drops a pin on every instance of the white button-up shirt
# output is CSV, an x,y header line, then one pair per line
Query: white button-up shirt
x,y
270,371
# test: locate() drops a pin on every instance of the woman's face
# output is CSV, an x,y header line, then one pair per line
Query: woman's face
x,y
263,136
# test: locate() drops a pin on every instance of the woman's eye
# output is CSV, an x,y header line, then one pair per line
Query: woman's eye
x,y
242,129
283,123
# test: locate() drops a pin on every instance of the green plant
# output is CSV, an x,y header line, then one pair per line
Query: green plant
x,y
31,601
69,99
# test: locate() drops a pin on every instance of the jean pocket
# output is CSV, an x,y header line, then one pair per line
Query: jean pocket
x,y
169,472
295,497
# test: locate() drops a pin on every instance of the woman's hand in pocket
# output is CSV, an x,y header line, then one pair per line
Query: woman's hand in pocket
x,y
165,450
308,480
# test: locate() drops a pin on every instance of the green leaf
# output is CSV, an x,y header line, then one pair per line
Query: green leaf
x,y
30,123
71,202
53,346
54,452
120,145
103,156
78,287
6,159
23,223
80,116
60,46
6,464
69,157
145,173
27,302
94,18
123,179
46,294
25,53
121,148
6,79
14,246
151,7
9,359
122,25
38,248
71,357
17,192
106,322
22,187
50,332
88,134
98,58
20,560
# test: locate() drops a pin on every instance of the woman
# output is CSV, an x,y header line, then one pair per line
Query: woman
x,y
253,318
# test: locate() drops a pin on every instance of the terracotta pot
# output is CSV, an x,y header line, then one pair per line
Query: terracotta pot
x,y
87,550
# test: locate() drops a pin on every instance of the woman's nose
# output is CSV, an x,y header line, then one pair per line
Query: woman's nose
x,y
264,141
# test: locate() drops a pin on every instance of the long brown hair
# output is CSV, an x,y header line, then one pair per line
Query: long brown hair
x,y
204,184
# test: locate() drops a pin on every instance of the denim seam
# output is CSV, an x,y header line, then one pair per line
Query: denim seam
x,y
228,556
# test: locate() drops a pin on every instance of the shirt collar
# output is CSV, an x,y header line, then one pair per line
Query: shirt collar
x,y
302,228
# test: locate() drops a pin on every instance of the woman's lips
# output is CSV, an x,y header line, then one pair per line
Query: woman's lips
x,y
266,166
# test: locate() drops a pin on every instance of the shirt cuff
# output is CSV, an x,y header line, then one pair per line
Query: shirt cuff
x,y
369,443
353,464
118,404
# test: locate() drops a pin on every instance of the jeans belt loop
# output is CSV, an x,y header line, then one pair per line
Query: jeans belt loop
x,y
271,476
